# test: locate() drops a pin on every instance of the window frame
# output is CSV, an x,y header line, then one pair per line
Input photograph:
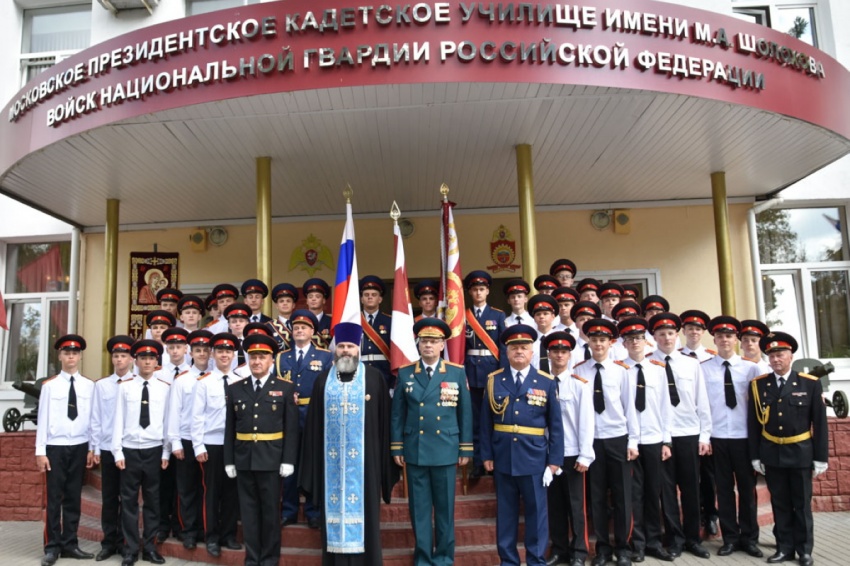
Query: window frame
x,y
47,59
822,29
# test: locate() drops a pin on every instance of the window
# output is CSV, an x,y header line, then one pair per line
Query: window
x,y
51,35
195,7
788,16
806,278
36,296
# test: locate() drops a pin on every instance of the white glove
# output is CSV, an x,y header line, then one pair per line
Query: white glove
x,y
286,470
758,467
547,476
820,467
230,470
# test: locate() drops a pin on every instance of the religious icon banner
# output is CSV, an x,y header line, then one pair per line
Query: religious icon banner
x,y
149,273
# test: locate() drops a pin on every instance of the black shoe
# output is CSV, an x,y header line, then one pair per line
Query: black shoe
x,y
477,472
660,554
726,549
806,560
624,561
189,543
49,559
214,549
675,550
313,522
232,545
161,537
696,549
556,559
76,553
104,554
577,562
128,560
638,556
751,549
288,521
153,557
601,559
780,557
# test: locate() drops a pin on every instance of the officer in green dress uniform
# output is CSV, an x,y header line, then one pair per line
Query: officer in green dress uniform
x,y
431,434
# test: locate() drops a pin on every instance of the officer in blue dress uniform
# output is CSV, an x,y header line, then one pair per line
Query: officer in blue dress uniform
x,y
255,292
301,365
376,328
316,292
483,351
522,441
788,439
432,434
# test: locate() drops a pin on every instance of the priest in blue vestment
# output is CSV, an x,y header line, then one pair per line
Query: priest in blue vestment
x,y
346,464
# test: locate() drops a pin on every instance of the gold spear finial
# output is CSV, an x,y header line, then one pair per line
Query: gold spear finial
x,y
348,193
395,212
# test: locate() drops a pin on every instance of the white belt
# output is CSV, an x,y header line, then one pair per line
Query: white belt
x,y
479,353
373,358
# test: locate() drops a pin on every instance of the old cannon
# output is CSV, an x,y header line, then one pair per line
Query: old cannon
x,y
12,418
822,370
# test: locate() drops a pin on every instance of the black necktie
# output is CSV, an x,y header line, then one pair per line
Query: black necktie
x,y
518,381
72,401
176,372
568,330
587,351
240,356
255,318
145,411
692,354
598,399
544,363
729,388
224,378
429,371
640,394
671,383
477,313
371,320
781,383
299,360
258,387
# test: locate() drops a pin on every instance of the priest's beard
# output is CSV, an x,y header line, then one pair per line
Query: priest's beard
x,y
346,364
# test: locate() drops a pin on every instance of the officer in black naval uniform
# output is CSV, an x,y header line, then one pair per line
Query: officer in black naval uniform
x,y
376,328
788,438
431,435
260,447
284,295
255,292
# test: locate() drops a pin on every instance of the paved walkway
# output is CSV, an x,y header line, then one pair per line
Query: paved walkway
x,y
21,544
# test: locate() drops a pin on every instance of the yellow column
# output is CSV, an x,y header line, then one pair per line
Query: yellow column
x,y
527,227
264,225
724,244
110,274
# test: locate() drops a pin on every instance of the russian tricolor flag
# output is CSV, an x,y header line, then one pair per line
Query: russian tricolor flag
x,y
346,300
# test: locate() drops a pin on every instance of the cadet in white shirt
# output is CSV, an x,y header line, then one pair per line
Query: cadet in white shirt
x,y
581,313
588,289
225,295
694,324
516,292
141,451
564,270
544,309
752,331
209,411
655,413
567,297
102,421
566,495
176,342
727,382
691,437
62,449
615,444
186,469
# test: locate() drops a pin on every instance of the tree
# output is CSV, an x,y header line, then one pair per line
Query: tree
x,y
799,28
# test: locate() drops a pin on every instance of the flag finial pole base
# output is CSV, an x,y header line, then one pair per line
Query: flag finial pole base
x,y
348,193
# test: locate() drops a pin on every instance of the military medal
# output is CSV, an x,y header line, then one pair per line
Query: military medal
x,y
382,329
536,397
315,365
448,394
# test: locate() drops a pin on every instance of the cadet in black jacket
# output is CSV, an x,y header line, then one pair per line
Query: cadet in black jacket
x,y
260,447
788,438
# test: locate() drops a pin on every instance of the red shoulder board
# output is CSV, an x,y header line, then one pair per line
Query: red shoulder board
x,y
578,364
622,364
165,382
657,362
583,380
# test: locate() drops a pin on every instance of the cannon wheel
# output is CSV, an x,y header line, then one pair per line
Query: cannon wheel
x,y
12,420
839,404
